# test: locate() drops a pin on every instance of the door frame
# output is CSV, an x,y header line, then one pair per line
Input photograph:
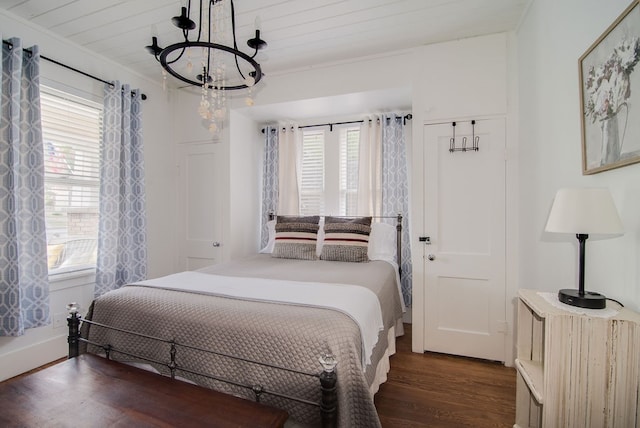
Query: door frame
x,y
419,249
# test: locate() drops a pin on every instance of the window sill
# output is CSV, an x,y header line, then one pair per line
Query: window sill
x,y
78,278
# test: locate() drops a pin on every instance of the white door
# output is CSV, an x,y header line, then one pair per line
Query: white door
x,y
464,217
200,210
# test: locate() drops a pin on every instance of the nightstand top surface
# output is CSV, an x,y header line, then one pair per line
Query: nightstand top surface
x,y
543,308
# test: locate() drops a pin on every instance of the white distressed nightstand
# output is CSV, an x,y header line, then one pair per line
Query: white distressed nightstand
x,y
576,370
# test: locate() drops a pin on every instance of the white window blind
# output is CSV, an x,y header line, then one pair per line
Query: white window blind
x,y
312,187
71,130
330,171
349,158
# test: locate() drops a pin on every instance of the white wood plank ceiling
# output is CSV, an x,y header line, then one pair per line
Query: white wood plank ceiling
x,y
299,33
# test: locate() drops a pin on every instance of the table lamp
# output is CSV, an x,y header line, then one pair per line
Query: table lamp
x,y
584,212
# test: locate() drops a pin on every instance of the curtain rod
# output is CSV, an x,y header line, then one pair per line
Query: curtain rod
x,y
404,118
68,67
330,125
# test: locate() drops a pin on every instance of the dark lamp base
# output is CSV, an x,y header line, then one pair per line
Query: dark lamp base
x,y
589,299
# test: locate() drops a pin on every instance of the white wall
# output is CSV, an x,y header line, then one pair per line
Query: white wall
x,y
375,73
553,35
41,345
245,185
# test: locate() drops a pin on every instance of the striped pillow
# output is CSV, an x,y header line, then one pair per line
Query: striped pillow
x,y
296,237
346,239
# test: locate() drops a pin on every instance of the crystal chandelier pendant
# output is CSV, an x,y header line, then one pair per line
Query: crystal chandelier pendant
x,y
203,109
189,66
213,128
249,81
249,99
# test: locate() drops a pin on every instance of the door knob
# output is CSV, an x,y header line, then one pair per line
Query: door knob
x,y
431,257
216,244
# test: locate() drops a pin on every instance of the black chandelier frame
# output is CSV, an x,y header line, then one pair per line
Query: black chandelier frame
x,y
186,24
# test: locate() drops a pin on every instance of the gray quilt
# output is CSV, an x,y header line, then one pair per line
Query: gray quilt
x,y
280,334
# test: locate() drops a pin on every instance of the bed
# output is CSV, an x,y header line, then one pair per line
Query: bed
x,y
284,313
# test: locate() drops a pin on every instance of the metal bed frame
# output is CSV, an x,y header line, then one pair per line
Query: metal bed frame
x,y
327,377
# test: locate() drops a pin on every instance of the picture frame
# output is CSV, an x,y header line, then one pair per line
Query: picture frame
x,y
610,95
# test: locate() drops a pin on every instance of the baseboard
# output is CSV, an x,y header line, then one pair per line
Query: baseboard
x,y
31,357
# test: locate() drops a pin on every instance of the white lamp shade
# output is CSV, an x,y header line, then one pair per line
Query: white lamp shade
x,y
584,210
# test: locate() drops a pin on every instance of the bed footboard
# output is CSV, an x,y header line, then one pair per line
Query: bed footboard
x,y
327,377
73,322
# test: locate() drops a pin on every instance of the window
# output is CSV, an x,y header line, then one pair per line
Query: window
x,y
330,171
349,158
71,131
312,187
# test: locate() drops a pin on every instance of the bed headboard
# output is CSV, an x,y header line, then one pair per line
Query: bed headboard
x,y
398,218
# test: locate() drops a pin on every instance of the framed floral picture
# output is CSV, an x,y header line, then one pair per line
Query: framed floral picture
x,y
610,96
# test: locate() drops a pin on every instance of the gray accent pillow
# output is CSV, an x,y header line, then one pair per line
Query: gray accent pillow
x,y
296,237
346,239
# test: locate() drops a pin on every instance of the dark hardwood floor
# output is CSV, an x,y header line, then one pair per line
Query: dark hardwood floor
x,y
437,390
91,391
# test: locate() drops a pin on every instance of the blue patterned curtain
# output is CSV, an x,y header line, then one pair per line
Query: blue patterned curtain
x,y
122,236
269,180
24,287
395,190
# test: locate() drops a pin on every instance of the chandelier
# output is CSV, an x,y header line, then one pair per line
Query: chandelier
x,y
210,59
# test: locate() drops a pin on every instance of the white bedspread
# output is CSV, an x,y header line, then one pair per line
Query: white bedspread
x,y
359,303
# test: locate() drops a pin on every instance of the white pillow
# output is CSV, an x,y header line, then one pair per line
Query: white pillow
x,y
382,242
271,227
